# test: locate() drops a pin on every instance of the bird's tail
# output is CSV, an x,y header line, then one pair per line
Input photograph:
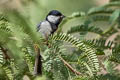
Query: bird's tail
x,y
38,63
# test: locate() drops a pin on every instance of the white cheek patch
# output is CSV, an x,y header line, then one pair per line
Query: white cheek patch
x,y
53,19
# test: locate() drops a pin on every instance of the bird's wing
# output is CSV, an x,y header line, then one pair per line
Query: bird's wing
x,y
38,26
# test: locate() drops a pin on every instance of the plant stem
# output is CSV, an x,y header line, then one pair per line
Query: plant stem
x,y
70,67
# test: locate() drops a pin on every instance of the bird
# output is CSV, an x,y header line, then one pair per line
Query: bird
x,y
46,28
50,24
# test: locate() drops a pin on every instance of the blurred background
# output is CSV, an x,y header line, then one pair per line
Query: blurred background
x,y
36,10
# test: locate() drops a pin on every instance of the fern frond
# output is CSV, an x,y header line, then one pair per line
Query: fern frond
x,y
14,67
114,16
99,18
115,57
3,17
1,57
8,72
59,69
110,31
82,78
72,16
112,4
19,20
104,9
28,59
52,63
5,26
90,52
5,32
99,10
99,43
84,28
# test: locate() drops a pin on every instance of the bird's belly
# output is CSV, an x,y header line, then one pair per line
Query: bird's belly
x,y
45,32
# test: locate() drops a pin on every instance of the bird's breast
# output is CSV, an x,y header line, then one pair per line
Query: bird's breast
x,y
45,29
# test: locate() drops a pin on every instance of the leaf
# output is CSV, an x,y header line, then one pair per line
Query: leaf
x,y
89,51
114,16
99,43
8,72
96,10
1,57
85,28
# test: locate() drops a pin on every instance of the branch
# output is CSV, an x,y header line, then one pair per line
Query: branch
x,y
5,53
70,67
38,62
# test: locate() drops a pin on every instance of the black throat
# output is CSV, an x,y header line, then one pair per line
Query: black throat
x,y
53,26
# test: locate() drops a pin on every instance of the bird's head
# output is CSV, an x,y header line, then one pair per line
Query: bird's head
x,y
55,17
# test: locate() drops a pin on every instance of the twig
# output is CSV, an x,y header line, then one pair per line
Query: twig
x,y
5,53
70,67
38,62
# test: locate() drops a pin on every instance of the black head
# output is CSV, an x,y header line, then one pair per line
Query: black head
x,y
55,13
55,17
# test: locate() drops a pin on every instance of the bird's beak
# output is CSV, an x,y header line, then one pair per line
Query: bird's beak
x,y
63,16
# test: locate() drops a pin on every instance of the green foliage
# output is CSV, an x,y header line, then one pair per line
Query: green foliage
x,y
114,15
1,58
89,52
66,57
99,43
85,28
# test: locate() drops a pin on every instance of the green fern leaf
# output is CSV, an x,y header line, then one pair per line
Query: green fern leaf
x,y
114,16
28,59
14,66
3,17
84,28
115,57
112,4
98,18
99,43
73,16
8,72
90,52
1,58
99,10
